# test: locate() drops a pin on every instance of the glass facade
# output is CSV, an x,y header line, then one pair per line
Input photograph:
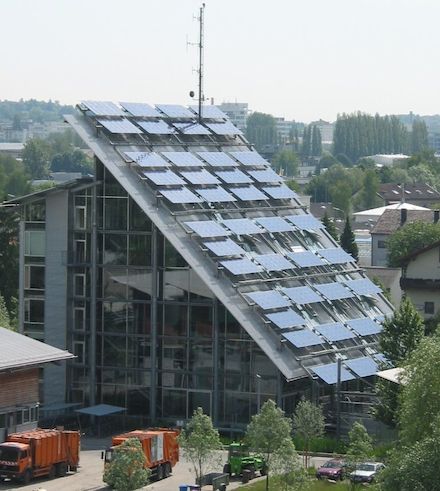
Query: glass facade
x,y
156,341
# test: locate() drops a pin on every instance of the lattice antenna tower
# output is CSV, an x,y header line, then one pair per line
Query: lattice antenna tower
x,y
200,70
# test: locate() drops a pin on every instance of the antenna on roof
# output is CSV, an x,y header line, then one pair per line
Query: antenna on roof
x,y
200,70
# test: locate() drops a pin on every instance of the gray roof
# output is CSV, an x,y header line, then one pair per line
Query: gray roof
x,y
410,192
391,220
18,351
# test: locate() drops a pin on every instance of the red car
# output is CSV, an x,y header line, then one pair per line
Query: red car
x,y
333,469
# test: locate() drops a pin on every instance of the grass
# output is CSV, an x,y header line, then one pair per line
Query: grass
x,y
316,486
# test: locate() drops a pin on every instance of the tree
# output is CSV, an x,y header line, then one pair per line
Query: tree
x,y
419,136
267,431
200,442
126,470
308,422
36,158
360,446
8,256
330,226
4,314
370,188
286,163
316,142
410,238
289,474
261,130
347,240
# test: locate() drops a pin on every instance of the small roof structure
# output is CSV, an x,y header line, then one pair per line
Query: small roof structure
x,y
374,213
101,410
391,220
396,375
17,351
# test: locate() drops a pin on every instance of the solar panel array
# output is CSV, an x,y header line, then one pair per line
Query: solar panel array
x,y
305,222
329,373
164,178
333,291
335,332
268,300
365,326
286,319
302,338
363,367
274,224
274,262
336,256
241,266
122,126
143,159
363,286
302,295
224,248
207,228
140,109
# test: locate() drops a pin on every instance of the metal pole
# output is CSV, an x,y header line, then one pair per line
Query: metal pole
x,y
338,401
258,392
201,97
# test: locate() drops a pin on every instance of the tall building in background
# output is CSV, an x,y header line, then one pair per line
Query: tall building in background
x,y
186,274
237,112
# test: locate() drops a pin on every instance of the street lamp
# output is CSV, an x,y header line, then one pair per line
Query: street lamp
x,y
258,392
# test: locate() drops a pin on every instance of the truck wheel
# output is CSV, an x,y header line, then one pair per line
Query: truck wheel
x,y
227,469
27,476
222,487
166,470
159,473
74,468
61,469
263,471
52,472
245,476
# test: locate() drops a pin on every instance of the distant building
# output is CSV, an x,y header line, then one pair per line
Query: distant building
x,y
326,129
373,214
14,150
237,112
21,359
387,159
284,129
421,280
417,194
389,222
434,141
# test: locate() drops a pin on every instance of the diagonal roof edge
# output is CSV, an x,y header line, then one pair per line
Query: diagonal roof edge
x,y
283,359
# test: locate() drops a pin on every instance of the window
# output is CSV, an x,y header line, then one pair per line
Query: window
x,y
381,244
429,308
79,351
35,212
35,242
80,217
33,310
79,318
34,277
80,251
79,285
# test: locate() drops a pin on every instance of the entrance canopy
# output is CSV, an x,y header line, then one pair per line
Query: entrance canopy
x,y
101,410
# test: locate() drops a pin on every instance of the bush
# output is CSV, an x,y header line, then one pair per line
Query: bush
x,y
325,444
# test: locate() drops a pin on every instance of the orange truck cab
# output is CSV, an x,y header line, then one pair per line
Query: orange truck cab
x,y
160,447
38,453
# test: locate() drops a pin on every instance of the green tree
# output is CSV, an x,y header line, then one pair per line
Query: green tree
x,y
36,158
347,240
288,473
261,130
306,147
286,163
340,195
369,189
360,445
8,256
267,431
410,238
126,470
419,136
316,142
308,423
200,442
4,314
330,226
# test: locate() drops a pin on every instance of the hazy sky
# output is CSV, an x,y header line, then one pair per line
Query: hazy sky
x,y
299,59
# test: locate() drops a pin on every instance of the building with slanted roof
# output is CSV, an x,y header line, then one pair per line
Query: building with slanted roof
x,y
417,194
388,223
21,359
186,273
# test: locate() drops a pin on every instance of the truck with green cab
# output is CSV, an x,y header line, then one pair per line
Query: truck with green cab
x,y
242,463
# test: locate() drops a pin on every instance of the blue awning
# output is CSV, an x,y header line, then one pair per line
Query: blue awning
x,y
101,410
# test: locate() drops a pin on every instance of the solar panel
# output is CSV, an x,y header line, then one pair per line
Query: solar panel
x,y
217,159
267,175
140,109
274,224
362,367
224,248
305,222
200,177
207,228
180,196
280,192
210,112
248,193
269,299
143,159
156,127
274,262
335,332
363,286
336,256
120,126
164,178
249,158
192,129
242,226
302,295
302,338
329,373
224,128
241,266
215,195
286,319
183,159
305,259
103,108
365,326
334,291
175,111
234,176
381,358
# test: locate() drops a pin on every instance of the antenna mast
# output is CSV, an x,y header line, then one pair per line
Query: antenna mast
x,y
201,35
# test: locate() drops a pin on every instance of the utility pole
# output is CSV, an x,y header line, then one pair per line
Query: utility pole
x,y
201,46
338,400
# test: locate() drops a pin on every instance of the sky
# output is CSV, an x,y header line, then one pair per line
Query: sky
x,y
301,60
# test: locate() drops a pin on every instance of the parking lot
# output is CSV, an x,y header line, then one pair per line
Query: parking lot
x,y
89,475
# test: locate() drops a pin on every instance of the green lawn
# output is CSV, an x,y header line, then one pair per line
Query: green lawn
x,y
316,486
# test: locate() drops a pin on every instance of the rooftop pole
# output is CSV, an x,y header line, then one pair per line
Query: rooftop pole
x,y
201,35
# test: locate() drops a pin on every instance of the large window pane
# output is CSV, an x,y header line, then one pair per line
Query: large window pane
x,y
174,354
173,403
138,219
139,353
115,210
139,250
35,242
139,318
201,321
115,317
114,283
33,310
114,351
175,320
115,249
34,277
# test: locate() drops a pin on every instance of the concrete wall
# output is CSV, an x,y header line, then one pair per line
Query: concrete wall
x,y
390,277
378,255
426,266
56,292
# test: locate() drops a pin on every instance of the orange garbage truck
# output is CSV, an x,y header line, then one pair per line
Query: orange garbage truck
x,y
39,452
160,447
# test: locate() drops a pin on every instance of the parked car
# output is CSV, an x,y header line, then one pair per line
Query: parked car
x,y
366,472
332,469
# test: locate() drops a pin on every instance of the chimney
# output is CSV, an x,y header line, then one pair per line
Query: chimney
x,y
436,215
403,215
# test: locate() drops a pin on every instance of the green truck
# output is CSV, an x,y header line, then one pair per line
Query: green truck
x,y
242,463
